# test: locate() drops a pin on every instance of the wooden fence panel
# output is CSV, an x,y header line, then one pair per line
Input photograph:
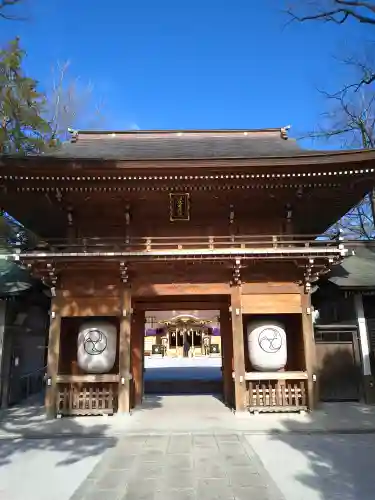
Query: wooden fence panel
x,y
87,399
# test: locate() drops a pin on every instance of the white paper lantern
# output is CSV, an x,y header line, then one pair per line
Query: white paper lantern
x,y
267,346
96,346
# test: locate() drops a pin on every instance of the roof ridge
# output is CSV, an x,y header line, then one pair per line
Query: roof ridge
x,y
283,131
176,131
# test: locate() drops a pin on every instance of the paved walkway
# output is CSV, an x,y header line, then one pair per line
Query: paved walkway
x,y
177,443
47,469
188,413
180,467
319,467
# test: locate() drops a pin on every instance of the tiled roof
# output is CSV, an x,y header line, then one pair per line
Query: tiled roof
x,y
356,271
178,145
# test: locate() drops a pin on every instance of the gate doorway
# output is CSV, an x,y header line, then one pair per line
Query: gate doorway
x,y
180,348
177,354
338,362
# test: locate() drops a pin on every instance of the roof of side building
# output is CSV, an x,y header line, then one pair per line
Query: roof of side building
x,y
357,270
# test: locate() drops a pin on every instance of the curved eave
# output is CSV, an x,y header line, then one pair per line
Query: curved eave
x,y
304,158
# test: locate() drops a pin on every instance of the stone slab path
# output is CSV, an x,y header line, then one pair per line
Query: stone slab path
x,y
185,414
179,467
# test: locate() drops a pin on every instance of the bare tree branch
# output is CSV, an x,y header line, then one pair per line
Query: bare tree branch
x,y
322,16
337,11
4,7
71,104
350,117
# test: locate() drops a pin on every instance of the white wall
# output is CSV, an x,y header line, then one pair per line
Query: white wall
x,y
2,338
2,329
363,334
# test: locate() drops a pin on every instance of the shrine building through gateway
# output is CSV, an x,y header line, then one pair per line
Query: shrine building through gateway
x,y
182,352
182,244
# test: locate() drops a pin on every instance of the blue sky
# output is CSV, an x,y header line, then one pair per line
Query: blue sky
x,y
195,64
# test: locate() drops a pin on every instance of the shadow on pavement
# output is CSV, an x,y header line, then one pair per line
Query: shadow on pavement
x,y
325,465
24,428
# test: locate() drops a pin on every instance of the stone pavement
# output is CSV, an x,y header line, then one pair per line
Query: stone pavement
x,y
47,469
319,467
186,414
179,467
188,442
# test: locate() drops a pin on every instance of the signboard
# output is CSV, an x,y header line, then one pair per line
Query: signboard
x,y
179,206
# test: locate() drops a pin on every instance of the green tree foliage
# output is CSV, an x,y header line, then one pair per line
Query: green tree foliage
x,y
23,129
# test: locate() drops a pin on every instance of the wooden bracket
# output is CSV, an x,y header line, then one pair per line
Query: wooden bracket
x,y
127,214
52,275
51,278
69,215
236,273
45,271
124,273
288,212
231,214
59,195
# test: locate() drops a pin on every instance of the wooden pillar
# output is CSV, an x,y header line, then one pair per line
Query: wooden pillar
x,y
227,356
137,354
309,347
53,359
238,350
124,352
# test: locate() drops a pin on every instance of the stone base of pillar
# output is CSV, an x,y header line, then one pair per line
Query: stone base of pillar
x,y
122,415
242,414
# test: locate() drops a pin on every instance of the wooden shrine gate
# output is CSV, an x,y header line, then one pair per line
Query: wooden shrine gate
x,y
203,211
98,286
122,389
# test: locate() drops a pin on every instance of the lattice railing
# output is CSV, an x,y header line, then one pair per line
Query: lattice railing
x,y
154,243
274,395
87,399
